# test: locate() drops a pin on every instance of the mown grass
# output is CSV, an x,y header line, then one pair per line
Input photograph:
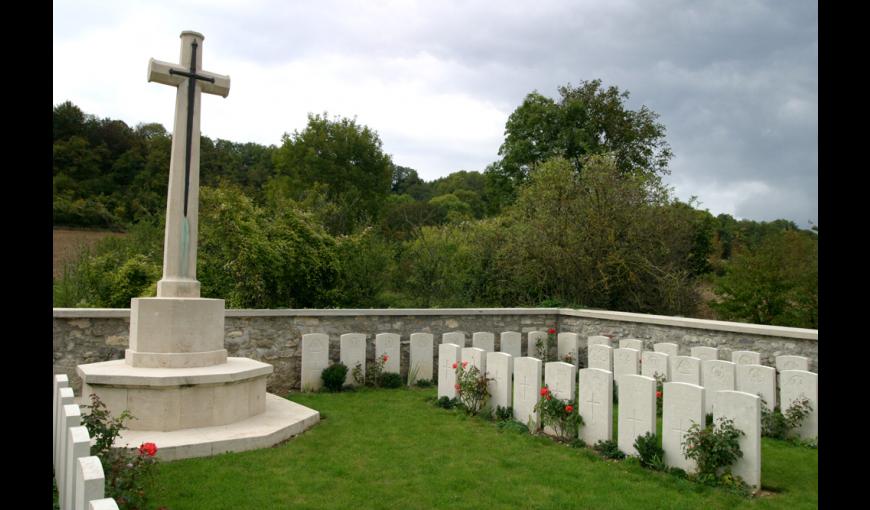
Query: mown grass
x,y
391,449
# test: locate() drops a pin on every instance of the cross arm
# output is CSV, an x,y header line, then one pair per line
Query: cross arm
x,y
158,71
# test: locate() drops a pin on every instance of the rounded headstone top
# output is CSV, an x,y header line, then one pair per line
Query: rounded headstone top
x,y
191,32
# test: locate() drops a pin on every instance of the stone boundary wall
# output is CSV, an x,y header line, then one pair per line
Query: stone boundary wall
x,y
82,335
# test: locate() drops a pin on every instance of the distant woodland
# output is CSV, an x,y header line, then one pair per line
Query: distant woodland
x,y
573,213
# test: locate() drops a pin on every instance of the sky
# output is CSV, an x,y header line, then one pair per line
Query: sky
x,y
735,83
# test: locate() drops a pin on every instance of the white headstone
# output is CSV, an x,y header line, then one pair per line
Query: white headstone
x,y
483,340
686,369
668,348
512,343
625,362
746,357
637,410
59,381
653,363
531,343
448,356
388,344
745,410
65,398
683,404
757,380
499,368
70,418
717,375
600,356
454,337
103,504
631,343
475,357
78,445
794,385
315,358
527,390
598,340
421,360
705,353
353,353
90,481
569,346
792,363
595,390
560,378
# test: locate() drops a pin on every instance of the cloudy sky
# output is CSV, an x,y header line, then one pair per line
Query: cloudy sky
x,y
735,82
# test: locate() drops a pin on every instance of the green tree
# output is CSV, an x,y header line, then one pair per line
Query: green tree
x,y
587,119
776,283
346,160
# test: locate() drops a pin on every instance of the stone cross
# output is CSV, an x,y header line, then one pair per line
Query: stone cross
x,y
182,204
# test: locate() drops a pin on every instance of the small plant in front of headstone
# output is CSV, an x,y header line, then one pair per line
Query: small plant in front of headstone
x,y
543,347
357,375
776,425
446,402
713,447
333,376
513,426
660,384
374,371
128,473
390,380
424,383
651,455
568,357
609,449
504,413
559,414
471,386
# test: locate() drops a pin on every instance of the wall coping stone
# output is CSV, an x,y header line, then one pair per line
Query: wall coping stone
x,y
660,320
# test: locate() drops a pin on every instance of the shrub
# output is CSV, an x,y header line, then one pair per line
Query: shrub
x,y
660,385
333,376
127,472
504,413
713,447
471,386
651,454
543,347
559,414
609,449
513,426
424,383
776,425
373,371
390,380
446,402
357,375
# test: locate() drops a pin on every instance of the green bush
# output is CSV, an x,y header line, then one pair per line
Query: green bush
x,y
513,426
651,454
713,447
504,413
333,376
390,380
424,383
446,402
559,414
472,387
609,449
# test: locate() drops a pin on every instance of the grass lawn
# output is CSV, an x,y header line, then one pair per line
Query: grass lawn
x,y
391,449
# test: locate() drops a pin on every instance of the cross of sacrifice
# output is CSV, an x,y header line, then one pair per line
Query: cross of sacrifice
x,y
182,205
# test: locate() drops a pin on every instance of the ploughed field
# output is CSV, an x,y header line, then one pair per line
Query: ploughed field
x,y
392,449
67,244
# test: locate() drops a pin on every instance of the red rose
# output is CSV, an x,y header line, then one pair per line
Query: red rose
x,y
454,365
551,331
549,397
456,387
544,391
386,358
149,449
658,394
569,409
464,364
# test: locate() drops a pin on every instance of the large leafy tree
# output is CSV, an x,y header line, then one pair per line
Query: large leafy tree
x,y
585,120
344,162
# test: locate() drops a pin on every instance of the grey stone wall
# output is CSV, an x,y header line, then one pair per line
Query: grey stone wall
x,y
274,336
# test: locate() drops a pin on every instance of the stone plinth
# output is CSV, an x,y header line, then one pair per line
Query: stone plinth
x,y
176,332
174,398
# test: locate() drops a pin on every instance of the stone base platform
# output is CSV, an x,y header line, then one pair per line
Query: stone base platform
x,y
282,420
169,399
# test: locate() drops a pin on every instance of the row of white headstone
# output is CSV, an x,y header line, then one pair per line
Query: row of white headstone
x,y
78,475
519,381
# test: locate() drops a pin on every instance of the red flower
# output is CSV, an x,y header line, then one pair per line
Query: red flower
x,y
386,358
149,449
658,394
549,397
544,391
454,365
464,364
456,387
551,331
569,409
